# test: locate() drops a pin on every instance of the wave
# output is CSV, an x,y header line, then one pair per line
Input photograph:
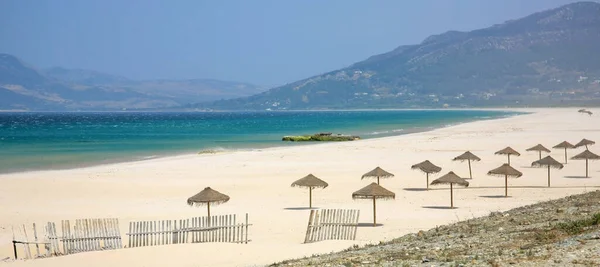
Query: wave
x,y
386,132
213,150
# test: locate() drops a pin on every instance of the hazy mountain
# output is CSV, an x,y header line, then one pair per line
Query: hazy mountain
x,y
23,87
547,58
86,77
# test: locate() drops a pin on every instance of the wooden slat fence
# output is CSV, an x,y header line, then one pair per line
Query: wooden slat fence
x,y
90,235
221,228
85,235
332,224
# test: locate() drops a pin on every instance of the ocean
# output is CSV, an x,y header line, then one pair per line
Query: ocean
x,y
39,141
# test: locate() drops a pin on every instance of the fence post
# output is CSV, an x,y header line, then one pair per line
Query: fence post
x,y
246,241
15,248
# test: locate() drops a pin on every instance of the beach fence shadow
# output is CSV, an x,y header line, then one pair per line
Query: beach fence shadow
x,y
576,177
301,208
439,207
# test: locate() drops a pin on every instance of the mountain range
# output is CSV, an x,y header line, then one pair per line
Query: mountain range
x,y
24,87
547,58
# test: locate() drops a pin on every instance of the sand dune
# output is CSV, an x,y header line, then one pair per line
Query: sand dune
x,y
258,183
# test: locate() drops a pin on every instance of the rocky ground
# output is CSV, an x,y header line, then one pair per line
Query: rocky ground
x,y
563,232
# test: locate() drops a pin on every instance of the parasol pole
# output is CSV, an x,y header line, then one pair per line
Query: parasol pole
x,y
548,175
208,206
310,197
451,199
505,185
374,213
470,174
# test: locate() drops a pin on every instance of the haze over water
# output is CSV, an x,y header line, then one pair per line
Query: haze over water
x,y
34,141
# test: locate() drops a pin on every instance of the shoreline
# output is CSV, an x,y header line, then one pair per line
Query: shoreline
x,y
258,183
178,154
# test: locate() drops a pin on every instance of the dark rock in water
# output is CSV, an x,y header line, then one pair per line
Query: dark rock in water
x,y
321,137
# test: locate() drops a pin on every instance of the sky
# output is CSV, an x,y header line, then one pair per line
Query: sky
x,y
265,42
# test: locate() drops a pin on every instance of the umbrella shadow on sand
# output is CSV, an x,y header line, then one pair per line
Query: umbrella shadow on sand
x,y
496,196
369,225
576,177
439,207
301,208
527,167
422,189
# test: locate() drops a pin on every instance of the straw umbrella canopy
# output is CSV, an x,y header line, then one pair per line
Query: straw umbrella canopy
x,y
207,196
427,167
584,142
565,145
310,181
539,148
373,191
508,151
377,173
506,171
468,156
547,162
451,178
587,155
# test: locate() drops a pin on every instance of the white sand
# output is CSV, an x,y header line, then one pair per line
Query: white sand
x,y
259,184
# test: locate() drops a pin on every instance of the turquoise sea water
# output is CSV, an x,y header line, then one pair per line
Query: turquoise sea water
x,y
33,141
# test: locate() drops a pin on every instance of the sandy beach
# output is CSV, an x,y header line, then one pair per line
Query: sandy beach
x,y
258,183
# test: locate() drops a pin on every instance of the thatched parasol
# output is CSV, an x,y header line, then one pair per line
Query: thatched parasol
x,y
207,196
451,178
311,182
565,145
508,151
587,155
547,162
506,171
377,173
539,148
373,191
584,142
468,156
427,167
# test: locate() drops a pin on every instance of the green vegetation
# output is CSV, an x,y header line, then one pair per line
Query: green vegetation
x,y
579,226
